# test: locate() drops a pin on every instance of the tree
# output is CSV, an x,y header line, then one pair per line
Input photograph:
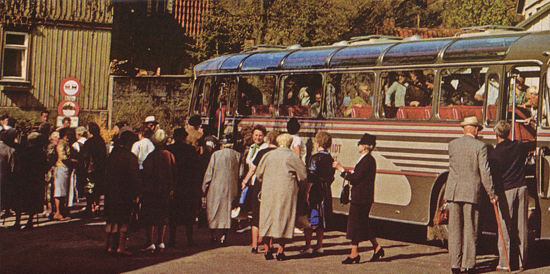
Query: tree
x,y
466,13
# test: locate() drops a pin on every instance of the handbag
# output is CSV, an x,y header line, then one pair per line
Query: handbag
x,y
344,195
442,215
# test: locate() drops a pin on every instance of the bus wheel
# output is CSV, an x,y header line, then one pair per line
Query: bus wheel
x,y
440,231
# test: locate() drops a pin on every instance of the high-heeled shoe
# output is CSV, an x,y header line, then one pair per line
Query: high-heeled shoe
x,y
254,250
377,255
350,260
161,247
149,249
268,255
280,256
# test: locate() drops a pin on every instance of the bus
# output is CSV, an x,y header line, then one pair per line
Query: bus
x,y
411,93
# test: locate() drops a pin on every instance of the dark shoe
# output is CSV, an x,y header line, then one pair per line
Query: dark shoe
x,y
455,270
15,227
214,240
349,260
280,256
471,270
223,240
268,255
377,255
254,250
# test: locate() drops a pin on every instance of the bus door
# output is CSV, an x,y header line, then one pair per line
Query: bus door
x,y
543,162
221,103
523,84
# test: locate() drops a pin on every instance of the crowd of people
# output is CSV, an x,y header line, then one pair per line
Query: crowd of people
x,y
151,183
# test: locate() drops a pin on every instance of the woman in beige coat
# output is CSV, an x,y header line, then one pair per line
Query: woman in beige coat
x,y
282,174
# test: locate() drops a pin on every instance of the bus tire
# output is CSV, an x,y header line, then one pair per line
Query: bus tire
x,y
440,231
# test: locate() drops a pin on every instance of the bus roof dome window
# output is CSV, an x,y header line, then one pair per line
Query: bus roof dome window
x,y
413,38
341,43
297,46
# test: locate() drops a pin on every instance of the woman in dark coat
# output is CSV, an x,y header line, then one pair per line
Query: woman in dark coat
x,y
320,174
122,187
94,152
185,205
362,198
159,173
30,169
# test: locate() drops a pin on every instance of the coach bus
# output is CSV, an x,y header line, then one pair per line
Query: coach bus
x,y
411,93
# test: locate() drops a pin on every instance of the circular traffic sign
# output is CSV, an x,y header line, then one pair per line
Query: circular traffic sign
x,y
70,86
68,108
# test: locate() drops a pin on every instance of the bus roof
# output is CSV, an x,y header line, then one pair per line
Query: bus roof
x,y
380,51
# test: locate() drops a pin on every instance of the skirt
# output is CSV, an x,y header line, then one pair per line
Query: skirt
x,y
61,182
359,229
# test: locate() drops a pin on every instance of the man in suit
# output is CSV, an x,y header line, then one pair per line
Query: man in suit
x,y
468,172
507,163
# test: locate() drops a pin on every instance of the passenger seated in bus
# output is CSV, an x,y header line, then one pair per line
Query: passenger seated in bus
x,y
416,94
398,89
429,85
361,98
447,90
303,96
291,97
493,91
468,85
531,105
520,91
331,100
315,108
249,96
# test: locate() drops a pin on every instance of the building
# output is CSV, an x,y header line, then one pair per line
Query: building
x,y
536,14
42,42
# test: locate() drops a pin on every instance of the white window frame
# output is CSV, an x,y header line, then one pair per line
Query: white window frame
x,y
24,61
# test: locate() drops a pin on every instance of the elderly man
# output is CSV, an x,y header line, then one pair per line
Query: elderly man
x,y
468,172
507,161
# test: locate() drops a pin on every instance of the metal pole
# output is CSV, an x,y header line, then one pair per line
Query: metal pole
x,y
220,116
514,108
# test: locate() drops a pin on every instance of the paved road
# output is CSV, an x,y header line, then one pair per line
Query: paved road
x,y
76,246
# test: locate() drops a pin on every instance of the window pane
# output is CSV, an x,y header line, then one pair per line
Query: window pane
x,y
301,95
308,58
234,61
407,94
15,39
13,59
263,61
256,95
350,95
479,49
361,55
414,52
462,92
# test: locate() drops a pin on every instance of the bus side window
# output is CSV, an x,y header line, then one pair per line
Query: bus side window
x,y
350,95
298,95
256,95
408,94
199,88
461,93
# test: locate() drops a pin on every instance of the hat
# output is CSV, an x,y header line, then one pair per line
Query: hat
x,y
159,137
33,135
81,130
367,139
195,120
150,119
471,121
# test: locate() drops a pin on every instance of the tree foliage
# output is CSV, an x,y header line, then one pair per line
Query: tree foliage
x,y
466,13
322,22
